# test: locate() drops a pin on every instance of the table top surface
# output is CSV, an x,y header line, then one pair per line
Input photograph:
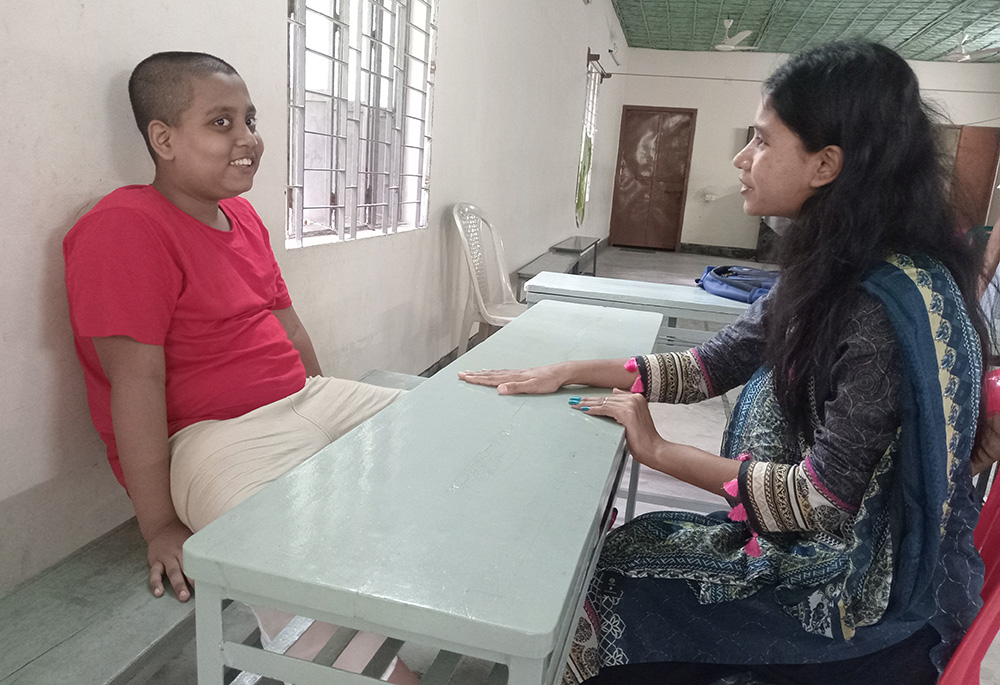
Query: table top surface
x,y
576,243
638,292
455,513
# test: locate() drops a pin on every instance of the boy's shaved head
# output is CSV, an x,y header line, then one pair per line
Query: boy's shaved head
x,y
160,87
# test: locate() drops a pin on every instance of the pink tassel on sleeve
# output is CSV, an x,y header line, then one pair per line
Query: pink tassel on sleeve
x,y
732,488
738,513
744,456
752,548
633,367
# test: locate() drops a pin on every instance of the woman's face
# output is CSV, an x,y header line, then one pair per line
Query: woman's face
x,y
778,173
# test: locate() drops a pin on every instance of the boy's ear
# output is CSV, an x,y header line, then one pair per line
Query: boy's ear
x,y
830,160
159,139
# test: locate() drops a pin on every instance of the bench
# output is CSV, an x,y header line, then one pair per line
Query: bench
x,y
690,315
92,619
563,257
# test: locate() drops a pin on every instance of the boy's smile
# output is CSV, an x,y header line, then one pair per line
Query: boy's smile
x,y
213,150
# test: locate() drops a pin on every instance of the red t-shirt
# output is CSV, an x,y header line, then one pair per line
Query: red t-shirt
x,y
138,266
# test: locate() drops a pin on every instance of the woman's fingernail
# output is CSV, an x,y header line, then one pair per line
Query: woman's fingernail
x,y
585,408
574,400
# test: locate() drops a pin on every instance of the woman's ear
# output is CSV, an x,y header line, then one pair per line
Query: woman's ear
x,y
159,139
830,159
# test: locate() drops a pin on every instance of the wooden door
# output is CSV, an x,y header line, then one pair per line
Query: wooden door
x,y
974,174
654,159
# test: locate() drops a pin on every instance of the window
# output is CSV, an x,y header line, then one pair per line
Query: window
x,y
360,94
595,74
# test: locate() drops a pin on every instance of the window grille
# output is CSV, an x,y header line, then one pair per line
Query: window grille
x,y
360,94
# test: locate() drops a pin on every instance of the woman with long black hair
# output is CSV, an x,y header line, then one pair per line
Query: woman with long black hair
x,y
848,553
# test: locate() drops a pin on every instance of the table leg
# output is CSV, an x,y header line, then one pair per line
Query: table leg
x,y
208,634
633,489
595,260
527,672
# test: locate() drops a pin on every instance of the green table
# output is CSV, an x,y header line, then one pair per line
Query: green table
x,y
457,518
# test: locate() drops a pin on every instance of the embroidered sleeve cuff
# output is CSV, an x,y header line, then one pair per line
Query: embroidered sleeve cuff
x,y
674,377
781,498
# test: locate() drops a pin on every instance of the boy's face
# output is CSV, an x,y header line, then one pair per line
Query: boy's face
x,y
214,149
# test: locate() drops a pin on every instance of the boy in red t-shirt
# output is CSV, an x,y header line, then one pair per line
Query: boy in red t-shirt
x,y
195,361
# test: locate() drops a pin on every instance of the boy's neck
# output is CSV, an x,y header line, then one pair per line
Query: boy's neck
x,y
205,211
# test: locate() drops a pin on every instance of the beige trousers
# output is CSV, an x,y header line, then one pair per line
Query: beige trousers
x,y
215,465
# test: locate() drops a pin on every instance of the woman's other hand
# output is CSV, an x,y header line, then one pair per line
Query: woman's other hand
x,y
631,411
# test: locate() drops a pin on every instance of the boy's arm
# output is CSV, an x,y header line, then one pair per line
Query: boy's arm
x,y
300,339
137,373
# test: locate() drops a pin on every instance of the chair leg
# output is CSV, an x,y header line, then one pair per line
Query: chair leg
x,y
485,331
466,330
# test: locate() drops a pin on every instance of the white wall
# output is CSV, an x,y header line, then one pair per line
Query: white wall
x,y
725,89
507,126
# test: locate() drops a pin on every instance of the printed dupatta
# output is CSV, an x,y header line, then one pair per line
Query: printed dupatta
x,y
906,556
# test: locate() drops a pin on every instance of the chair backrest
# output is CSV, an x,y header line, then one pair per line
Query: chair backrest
x,y
964,666
484,255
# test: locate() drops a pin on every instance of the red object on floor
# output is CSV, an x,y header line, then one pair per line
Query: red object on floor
x,y
963,669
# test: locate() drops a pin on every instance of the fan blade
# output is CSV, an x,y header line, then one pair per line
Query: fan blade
x,y
734,40
722,47
982,53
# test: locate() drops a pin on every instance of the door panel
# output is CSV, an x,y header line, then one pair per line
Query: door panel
x,y
975,169
632,197
654,156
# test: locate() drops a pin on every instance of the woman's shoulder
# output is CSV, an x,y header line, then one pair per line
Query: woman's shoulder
x,y
867,317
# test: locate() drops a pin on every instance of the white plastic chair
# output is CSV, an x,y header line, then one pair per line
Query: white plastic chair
x,y
491,299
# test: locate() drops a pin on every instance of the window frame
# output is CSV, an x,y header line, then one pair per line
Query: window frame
x,y
360,99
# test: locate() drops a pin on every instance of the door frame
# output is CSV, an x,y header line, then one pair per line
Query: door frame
x,y
687,176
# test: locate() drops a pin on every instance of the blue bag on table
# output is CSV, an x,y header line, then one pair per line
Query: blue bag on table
x,y
742,283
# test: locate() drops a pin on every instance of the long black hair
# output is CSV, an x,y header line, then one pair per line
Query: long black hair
x,y
890,196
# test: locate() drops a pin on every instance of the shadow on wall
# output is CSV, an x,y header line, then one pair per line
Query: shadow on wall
x,y
74,440
53,519
128,153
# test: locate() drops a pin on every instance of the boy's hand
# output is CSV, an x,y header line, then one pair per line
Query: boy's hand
x,y
166,558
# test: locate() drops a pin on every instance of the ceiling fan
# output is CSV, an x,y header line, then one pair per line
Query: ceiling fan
x,y
960,54
730,44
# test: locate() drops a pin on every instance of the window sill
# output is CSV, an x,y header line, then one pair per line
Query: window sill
x,y
364,234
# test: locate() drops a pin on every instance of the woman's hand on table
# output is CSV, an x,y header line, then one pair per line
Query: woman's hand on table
x,y
631,411
537,381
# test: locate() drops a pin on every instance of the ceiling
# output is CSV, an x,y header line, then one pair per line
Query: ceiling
x,y
916,29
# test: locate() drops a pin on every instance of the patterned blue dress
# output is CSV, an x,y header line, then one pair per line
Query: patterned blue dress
x,y
855,536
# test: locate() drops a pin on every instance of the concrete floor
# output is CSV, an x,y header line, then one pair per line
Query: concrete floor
x,y
700,425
